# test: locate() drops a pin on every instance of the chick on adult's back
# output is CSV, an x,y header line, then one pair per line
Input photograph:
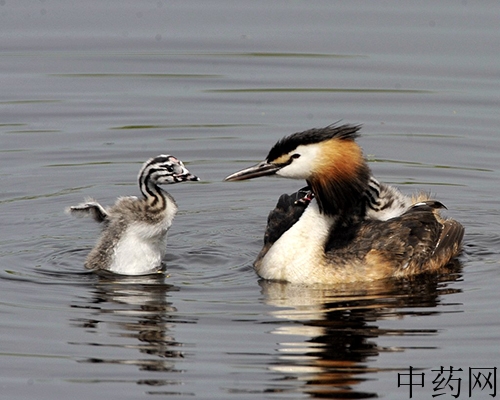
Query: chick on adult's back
x,y
133,241
346,226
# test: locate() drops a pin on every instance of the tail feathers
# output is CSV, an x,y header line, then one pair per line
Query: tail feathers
x,y
450,240
90,207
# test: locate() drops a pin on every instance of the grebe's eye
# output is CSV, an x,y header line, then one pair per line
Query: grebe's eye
x,y
170,168
296,155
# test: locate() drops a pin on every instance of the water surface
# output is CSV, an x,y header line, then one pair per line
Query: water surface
x,y
91,90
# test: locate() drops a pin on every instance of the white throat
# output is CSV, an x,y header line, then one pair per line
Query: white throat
x,y
300,250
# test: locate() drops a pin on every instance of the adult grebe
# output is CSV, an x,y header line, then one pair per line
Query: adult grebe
x,y
133,241
345,226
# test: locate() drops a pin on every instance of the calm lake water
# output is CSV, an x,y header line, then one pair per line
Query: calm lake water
x,y
90,90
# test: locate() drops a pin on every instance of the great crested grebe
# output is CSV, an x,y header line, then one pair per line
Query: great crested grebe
x,y
345,226
133,241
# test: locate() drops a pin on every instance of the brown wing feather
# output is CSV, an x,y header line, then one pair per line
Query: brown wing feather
x,y
450,239
417,241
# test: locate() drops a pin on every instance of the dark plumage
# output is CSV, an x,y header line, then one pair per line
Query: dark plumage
x,y
315,135
406,245
351,228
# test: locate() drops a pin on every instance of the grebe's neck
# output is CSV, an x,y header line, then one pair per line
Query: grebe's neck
x,y
341,196
155,197
340,178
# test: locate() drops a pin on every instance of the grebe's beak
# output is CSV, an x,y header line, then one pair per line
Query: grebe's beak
x,y
263,168
184,175
187,177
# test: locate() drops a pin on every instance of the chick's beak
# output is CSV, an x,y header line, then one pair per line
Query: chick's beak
x,y
184,175
261,169
191,177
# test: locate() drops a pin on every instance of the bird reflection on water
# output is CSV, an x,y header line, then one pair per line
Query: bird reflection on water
x,y
339,328
137,315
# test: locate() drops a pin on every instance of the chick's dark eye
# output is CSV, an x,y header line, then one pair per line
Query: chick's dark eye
x,y
295,155
170,168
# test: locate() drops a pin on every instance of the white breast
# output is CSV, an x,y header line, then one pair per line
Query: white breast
x,y
140,250
297,253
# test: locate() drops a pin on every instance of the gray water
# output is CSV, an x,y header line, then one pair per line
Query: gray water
x,y
90,90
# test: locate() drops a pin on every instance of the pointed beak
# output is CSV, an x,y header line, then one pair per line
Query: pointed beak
x,y
185,176
190,177
261,169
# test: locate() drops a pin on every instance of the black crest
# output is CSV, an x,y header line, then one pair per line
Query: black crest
x,y
315,135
